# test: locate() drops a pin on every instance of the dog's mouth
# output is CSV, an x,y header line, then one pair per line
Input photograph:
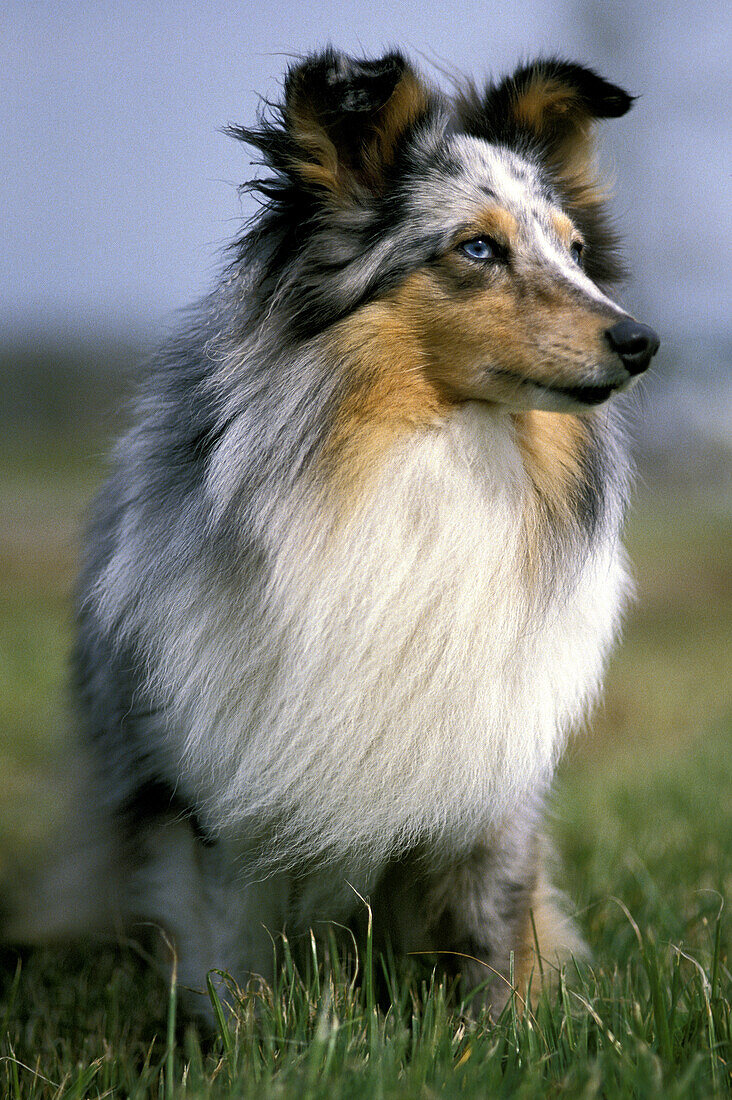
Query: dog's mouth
x,y
544,395
583,395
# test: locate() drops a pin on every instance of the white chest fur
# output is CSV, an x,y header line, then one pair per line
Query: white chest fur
x,y
402,677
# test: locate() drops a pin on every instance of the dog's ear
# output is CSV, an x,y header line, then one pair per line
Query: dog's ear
x,y
345,117
551,105
550,108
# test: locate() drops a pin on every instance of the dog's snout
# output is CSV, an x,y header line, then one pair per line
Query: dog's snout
x,y
636,344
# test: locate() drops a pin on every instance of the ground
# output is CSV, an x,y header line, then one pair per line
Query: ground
x,y
642,818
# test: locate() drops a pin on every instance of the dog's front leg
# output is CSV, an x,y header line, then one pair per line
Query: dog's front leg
x,y
482,912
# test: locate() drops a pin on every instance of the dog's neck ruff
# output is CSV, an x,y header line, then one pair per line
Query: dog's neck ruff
x,y
400,674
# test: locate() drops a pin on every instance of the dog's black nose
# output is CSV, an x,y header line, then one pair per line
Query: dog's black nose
x,y
636,344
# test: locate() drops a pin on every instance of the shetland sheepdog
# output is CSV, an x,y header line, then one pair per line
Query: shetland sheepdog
x,y
356,571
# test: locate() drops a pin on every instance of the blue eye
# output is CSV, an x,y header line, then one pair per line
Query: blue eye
x,y
575,251
481,248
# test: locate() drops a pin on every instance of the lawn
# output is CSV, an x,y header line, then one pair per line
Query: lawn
x,y
642,818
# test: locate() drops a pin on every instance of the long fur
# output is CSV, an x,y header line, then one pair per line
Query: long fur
x,y
345,596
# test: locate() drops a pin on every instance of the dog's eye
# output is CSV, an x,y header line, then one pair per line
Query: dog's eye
x,y
575,251
482,248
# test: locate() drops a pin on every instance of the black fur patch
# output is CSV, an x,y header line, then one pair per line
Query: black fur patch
x,y
512,898
344,92
120,733
590,491
153,802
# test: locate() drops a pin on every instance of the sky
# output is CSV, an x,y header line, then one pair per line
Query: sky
x,y
119,190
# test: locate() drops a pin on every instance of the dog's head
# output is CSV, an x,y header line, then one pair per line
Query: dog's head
x,y
466,237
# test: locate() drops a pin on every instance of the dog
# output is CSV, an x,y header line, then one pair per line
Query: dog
x,y
356,571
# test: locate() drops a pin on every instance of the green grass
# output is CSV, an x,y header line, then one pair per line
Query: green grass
x,y
642,818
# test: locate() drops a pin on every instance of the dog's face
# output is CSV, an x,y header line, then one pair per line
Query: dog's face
x,y
504,310
463,239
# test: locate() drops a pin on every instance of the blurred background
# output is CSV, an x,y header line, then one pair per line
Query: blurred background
x,y
119,193
119,190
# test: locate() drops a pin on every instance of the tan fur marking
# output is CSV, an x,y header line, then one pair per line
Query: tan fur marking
x,y
541,102
557,937
389,392
563,228
433,342
466,334
549,108
321,167
551,446
494,222
574,161
406,103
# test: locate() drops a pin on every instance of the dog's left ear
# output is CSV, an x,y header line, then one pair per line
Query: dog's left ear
x,y
552,105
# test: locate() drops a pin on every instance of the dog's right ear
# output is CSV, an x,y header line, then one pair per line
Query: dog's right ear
x,y
342,121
